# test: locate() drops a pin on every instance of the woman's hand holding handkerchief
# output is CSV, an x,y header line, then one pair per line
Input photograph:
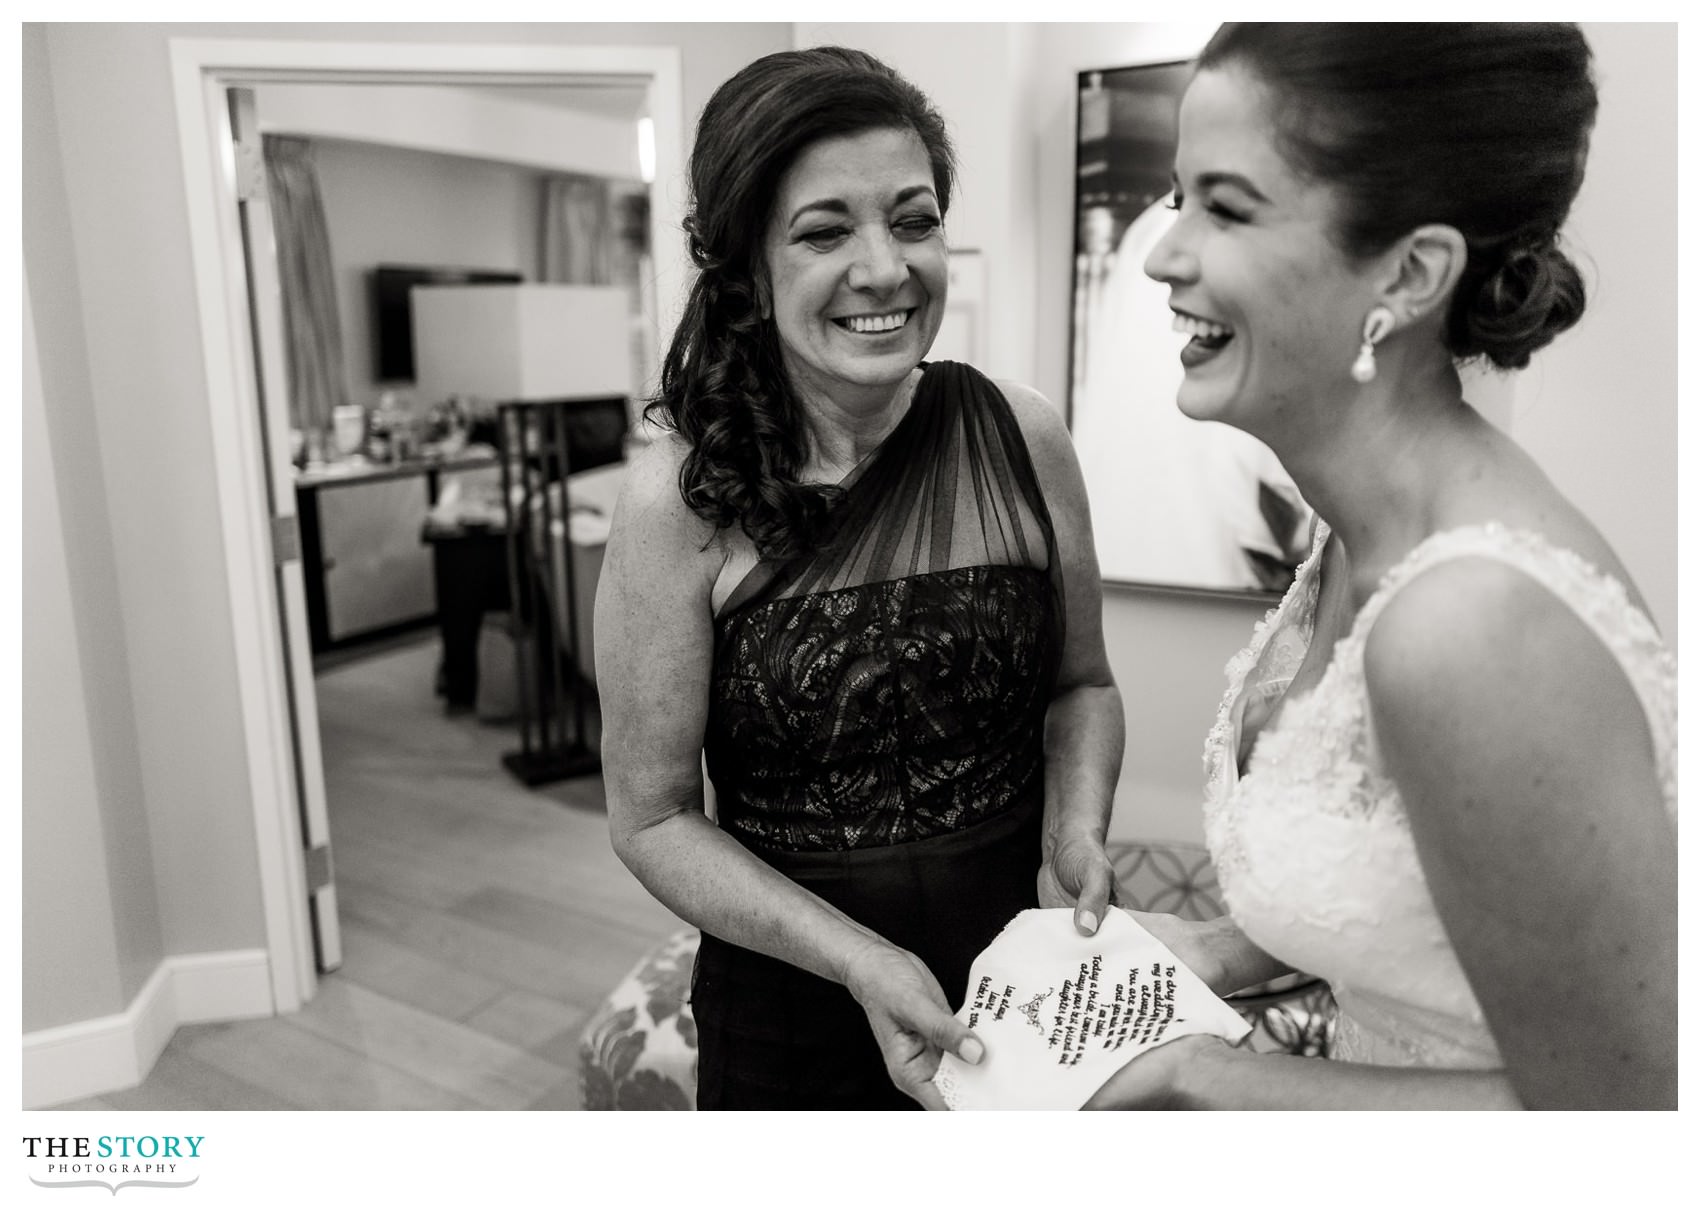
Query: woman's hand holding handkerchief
x,y
1060,1014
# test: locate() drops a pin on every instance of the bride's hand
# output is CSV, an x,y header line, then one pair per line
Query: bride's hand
x,y
1156,1080
1201,946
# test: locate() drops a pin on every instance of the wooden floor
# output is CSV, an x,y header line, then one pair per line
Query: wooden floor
x,y
482,924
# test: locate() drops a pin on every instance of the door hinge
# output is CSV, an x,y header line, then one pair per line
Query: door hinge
x,y
286,541
318,867
250,171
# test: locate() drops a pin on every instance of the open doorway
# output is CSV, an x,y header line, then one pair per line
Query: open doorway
x,y
484,917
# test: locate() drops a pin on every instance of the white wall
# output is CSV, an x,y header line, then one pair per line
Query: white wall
x,y
67,906
1598,407
89,875
116,123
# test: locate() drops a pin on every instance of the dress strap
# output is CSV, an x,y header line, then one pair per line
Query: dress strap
x,y
1597,598
953,485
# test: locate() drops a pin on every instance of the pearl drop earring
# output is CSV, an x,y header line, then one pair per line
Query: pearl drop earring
x,y
1377,325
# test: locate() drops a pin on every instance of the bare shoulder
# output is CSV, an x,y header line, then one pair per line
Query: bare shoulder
x,y
1467,617
1476,654
1044,429
652,474
1037,416
651,490
652,526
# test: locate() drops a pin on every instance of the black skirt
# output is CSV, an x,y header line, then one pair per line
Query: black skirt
x,y
774,1037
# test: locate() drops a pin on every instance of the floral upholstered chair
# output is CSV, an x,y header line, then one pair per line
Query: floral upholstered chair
x,y
638,1053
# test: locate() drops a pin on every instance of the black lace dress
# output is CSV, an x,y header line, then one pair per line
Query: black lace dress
x,y
876,734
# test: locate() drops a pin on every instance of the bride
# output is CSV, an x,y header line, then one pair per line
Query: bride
x,y
1444,772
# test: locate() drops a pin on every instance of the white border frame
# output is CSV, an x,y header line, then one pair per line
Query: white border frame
x,y
201,71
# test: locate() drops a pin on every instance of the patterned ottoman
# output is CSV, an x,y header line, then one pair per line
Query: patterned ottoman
x,y
638,1053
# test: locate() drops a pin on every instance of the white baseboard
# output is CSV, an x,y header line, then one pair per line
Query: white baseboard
x,y
219,985
100,1055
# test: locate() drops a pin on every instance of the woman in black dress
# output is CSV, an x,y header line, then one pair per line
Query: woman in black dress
x,y
864,589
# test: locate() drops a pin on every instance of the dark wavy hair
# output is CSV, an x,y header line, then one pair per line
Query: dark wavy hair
x,y
724,387
1480,125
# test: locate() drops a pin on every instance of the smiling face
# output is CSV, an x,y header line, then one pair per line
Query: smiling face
x,y
856,265
1274,308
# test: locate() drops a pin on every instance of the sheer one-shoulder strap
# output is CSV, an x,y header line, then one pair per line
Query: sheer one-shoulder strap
x,y
952,486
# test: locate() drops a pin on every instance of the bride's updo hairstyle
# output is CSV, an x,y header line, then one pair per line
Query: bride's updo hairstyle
x,y
723,382
1481,126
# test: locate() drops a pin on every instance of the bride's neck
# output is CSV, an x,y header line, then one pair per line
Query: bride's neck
x,y
1382,469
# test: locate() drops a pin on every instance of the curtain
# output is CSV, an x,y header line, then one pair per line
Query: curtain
x,y
578,232
310,322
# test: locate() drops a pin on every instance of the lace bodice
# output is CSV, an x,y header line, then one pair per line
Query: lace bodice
x,y
1315,854
892,686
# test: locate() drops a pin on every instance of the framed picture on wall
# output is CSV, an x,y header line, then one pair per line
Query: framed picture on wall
x,y
1176,503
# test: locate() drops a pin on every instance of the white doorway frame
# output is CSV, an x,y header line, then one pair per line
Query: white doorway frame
x,y
202,69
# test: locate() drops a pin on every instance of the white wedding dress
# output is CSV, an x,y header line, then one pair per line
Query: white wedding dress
x,y
1315,854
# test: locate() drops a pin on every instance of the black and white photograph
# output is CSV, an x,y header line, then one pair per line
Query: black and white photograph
x,y
844,566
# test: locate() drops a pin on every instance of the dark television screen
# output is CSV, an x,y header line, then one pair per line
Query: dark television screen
x,y
392,310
